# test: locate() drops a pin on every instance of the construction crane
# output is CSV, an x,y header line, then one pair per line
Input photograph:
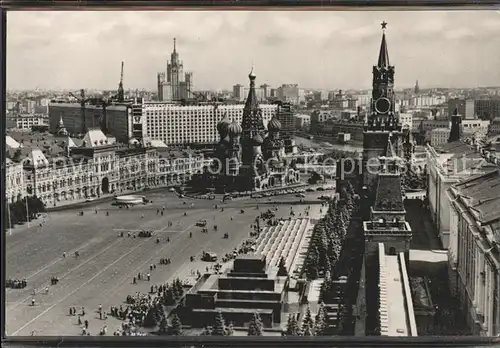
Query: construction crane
x,y
97,101
83,101
121,96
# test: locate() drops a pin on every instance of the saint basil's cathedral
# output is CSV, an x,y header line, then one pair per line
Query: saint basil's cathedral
x,y
249,158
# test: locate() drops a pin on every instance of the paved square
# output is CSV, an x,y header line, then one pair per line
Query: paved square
x,y
103,273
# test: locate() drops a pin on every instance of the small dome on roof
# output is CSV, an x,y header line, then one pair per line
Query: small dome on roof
x,y
274,125
234,129
252,75
223,124
133,141
257,139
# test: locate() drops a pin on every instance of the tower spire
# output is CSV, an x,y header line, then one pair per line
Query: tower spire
x,y
175,45
383,56
121,93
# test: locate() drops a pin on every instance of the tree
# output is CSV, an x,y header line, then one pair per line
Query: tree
x,y
230,329
207,331
282,271
163,326
176,327
320,321
292,327
308,321
255,327
312,263
219,328
152,317
17,156
307,330
168,297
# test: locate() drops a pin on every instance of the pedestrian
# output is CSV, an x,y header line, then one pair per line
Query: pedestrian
x,y
86,322
64,254
142,216
32,301
134,280
149,277
47,290
162,213
151,267
100,315
79,320
154,266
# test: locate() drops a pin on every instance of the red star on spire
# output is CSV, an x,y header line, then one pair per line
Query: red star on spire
x,y
384,24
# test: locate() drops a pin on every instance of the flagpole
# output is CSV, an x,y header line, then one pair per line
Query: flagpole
x,y
10,220
27,212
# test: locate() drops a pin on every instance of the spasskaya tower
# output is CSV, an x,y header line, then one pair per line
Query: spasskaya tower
x,y
382,125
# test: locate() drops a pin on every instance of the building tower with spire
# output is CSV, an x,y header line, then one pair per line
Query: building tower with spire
x,y
61,129
174,85
456,127
121,91
382,194
252,122
417,88
382,119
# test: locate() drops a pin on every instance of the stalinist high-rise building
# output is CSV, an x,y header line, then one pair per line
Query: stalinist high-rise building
x,y
175,84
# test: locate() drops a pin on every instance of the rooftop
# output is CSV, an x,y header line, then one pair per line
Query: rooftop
x,y
455,147
481,194
397,317
397,325
387,227
389,196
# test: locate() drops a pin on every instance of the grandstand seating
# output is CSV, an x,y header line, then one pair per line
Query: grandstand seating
x,y
287,240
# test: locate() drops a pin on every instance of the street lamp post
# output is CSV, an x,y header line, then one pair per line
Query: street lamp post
x,y
10,219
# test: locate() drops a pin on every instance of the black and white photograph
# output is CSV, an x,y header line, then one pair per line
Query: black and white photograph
x,y
252,173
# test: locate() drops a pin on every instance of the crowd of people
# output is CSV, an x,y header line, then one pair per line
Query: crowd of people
x,y
16,283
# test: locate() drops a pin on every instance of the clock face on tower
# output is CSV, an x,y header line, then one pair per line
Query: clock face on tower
x,y
382,105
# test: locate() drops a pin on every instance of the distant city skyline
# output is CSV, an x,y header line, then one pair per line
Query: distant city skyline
x,y
324,50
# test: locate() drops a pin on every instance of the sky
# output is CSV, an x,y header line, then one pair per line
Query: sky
x,y
324,50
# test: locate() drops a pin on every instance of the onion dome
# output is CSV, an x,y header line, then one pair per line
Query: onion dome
x,y
234,129
257,140
223,124
274,125
252,75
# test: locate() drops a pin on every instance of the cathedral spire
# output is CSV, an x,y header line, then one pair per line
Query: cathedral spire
x,y
252,123
175,51
252,104
383,56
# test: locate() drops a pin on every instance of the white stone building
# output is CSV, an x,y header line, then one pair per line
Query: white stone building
x,y
439,136
475,226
